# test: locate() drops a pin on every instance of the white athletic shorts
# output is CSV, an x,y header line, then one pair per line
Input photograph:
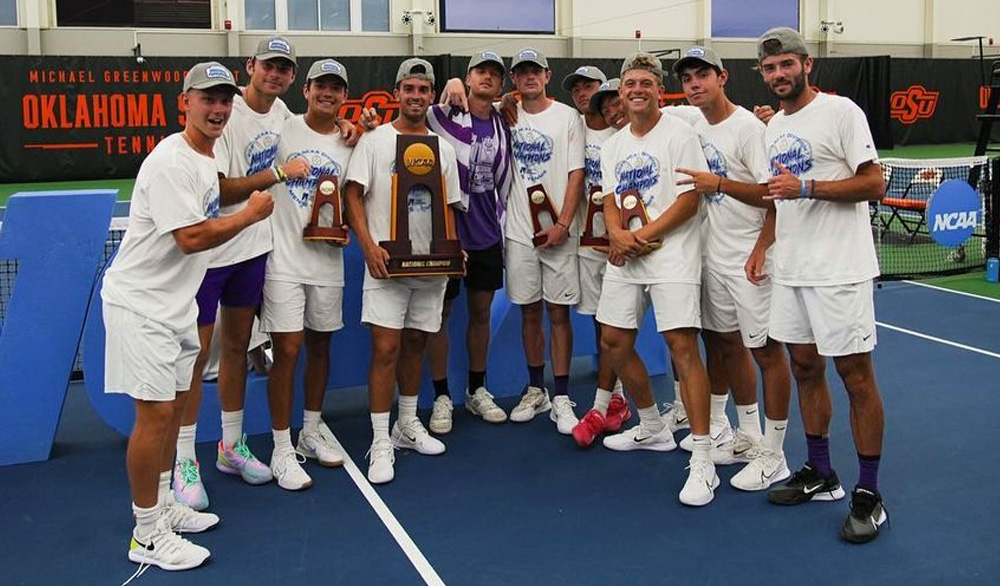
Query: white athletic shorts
x,y
675,305
145,359
839,319
289,307
551,274
591,280
731,302
414,303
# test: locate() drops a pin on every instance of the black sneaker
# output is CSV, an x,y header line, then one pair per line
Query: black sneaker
x,y
804,486
867,515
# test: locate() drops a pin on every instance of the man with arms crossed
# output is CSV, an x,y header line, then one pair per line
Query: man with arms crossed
x,y
150,312
401,311
547,143
825,170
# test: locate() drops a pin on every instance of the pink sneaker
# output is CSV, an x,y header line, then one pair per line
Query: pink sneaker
x,y
618,414
592,424
187,485
238,461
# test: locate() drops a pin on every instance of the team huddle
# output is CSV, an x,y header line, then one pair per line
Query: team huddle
x,y
748,229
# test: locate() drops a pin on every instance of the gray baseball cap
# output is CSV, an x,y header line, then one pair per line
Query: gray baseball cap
x,y
780,40
275,48
696,55
415,67
486,57
529,55
327,67
587,72
609,87
208,75
644,61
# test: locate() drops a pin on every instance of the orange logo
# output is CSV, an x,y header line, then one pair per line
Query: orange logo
x,y
912,104
385,106
984,96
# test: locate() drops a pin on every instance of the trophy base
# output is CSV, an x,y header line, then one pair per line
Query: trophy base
x,y
653,245
424,265
334,235
539,240
594,241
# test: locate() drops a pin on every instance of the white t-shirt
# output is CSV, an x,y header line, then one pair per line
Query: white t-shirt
x,y
647,164
249,145
294,259
686,112
546,147
373,165
176,187
734,149
822,242
592,176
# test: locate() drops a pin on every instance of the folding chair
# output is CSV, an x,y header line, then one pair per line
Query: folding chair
x,y
911,211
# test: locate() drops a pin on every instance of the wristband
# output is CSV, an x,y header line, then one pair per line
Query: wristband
x,y
277,176
812,188
719,188
280,173
803,191
563,226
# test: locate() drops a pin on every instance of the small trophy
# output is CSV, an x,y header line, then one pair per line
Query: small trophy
x,y
539,203
595,234
418,164
326,204
633,208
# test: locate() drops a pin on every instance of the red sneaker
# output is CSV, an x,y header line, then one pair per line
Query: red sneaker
x,y
589,428
618,414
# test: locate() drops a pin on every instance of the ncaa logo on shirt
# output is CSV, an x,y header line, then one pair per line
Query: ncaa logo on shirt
x,y
638,171
717,165
792,152
592,164
953,213
302,191
532,150
261,152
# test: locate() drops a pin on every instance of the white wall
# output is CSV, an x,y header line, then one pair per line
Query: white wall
x,y
658,19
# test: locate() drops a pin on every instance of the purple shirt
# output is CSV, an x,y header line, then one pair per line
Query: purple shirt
x,y
479,228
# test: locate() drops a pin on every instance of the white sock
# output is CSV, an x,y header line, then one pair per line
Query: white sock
x,y
619,389
650,420
380,426
232,427
774,434
185,443
701,446
145,521
163,489
407,409
602,399
282,440
677,393
749,420
717,411
310,421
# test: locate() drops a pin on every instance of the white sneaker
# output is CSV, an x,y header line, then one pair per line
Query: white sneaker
x,y
675,416
638,438
721,435
533,402
287,470
562,414
316,446
181,518
481,404
699,489
765,468
413,436
166,550
736,450
381,459
441,415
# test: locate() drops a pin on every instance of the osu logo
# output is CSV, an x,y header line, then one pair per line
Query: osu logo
x,y
385,106
912,104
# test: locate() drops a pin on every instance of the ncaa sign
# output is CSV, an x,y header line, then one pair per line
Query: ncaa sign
x,y
953,213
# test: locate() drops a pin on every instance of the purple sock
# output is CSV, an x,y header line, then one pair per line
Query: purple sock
x,y
868,476
536,376
562,385
819,454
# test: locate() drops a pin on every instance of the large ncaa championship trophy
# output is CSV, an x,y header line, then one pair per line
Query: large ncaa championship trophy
x,y
632,209
418,164
327,197
539,203
595,233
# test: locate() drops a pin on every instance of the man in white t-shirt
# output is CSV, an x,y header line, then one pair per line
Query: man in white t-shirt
x,y
150,311
547,145
825,170
402,311
734,310
304,282
658,260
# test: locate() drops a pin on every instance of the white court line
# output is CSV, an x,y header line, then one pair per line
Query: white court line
x,y
946,290
423,567
939,340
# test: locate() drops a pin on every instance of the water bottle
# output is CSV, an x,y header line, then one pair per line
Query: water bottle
x,y
992,269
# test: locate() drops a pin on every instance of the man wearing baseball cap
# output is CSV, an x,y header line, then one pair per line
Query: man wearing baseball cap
x,y
481,140
304,280
734,310
547,143
150,312
824,172
608,104
400,312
